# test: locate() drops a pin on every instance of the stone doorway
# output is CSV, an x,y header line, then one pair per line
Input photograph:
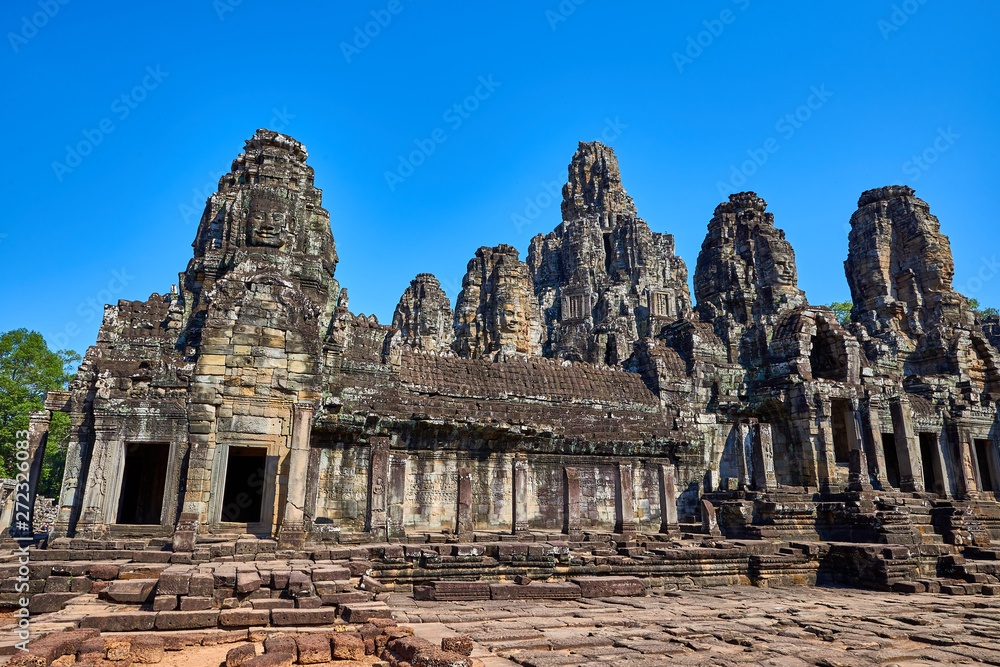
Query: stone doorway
x,y
243,497
931,461
984,452
144,479
891,459
840,410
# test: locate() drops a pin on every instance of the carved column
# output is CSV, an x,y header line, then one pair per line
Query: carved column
x,y
910,475
872,432
396,496
378,480
520,518
827,458
967,489
668,498
624,502
464,525
762,454
571,515
292,532
855,439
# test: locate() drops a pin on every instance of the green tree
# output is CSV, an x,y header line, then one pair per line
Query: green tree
x,y
28,370
982,313
843,311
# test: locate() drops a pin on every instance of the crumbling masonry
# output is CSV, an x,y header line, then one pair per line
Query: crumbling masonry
x,y
582,395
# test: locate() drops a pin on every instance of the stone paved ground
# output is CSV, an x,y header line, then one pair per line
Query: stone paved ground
x,y
731,626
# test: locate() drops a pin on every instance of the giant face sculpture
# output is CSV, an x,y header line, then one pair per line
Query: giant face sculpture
x,y
268,220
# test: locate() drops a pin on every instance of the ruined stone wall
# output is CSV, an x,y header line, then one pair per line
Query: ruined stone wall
x,y
586,367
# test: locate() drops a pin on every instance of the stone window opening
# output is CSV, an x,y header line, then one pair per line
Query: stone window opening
x,y
243,497
825,358
839,408
931,462
144,478
609,252
891,459
984,455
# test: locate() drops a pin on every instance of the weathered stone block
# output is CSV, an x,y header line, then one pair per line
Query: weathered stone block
x,y
347,647
186,620
238,656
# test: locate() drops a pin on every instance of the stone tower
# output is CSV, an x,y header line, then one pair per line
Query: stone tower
x,y
424,315
496,312
746,271
603,279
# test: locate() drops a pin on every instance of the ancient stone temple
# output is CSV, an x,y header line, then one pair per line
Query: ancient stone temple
x,y
579,393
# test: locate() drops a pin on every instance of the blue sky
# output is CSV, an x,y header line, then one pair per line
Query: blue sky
x,y
810,103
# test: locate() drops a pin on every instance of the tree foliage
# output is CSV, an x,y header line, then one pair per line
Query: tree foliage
x,y
842,309
980,312
29,370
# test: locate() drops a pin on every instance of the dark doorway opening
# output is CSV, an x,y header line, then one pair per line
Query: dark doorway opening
x,y
243,497
933,476
609,252
824,356
841,444
143,481
891,459
984,449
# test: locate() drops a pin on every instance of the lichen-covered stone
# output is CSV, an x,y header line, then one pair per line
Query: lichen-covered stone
x,y
424,315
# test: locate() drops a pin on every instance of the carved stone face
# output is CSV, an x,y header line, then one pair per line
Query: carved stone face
x,y
268,221
784,271
511,317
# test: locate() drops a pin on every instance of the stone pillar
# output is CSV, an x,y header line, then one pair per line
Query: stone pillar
x,y
38,437
571,511
520,508
800,406
911,477
74,476
762,455
709,522
855,440
23,511
396,497
668,498
872,432
827,468
464,525
742,434
378,481
967,489
101,478
292,532
624,502
858,478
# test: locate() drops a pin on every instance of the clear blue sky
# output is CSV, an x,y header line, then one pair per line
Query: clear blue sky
x,y
200,77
